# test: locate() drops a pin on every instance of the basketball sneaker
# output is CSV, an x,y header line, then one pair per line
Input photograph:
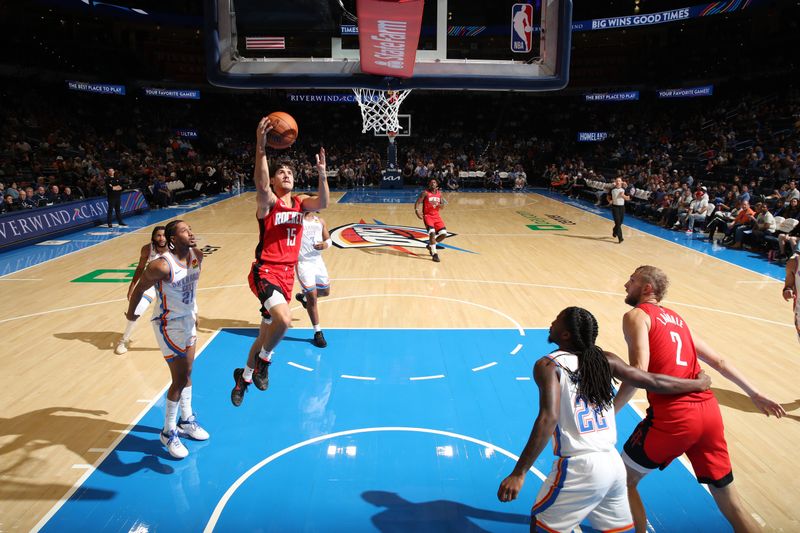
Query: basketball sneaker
x,y
300,297
237,394
174,445
261,374
319,340
190,428
122,347
436,258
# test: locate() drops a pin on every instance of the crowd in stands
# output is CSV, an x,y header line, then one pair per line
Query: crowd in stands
x,y
54,153
731,170
727,165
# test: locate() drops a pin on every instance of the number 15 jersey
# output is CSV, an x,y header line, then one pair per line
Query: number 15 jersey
x,y
280,234
581,428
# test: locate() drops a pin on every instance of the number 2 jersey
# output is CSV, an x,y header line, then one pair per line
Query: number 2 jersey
x,y
581,428
280,234
672,352
176,296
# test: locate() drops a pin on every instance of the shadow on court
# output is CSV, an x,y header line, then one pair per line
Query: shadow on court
x,y
587,237
397,253
741,402
207,324
102,340
76,430
401,515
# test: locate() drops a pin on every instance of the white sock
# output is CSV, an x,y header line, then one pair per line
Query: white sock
x,y
317,328
433,248
128,330
266,355
171,418
186,403
247,375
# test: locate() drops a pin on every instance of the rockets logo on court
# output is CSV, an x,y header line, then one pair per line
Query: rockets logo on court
x,y
364,235
521,28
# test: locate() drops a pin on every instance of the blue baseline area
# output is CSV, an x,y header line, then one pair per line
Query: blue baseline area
x,y
697,242
322,452
25,257
396,196
377,196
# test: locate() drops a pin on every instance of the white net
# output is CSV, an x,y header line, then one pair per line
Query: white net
x,y
379,109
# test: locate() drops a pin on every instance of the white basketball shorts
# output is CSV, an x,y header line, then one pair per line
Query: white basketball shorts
x,y
175,335
590,486
312,274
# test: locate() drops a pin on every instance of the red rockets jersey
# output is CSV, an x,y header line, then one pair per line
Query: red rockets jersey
x,y
672,352
280,234
431,203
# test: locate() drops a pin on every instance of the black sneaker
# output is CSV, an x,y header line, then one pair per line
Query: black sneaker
x,y
319,340
436,258
237,394
122,224
300,297
261,374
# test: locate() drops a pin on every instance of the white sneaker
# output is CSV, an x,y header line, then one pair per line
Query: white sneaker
x,y
174,445
190,428
122,347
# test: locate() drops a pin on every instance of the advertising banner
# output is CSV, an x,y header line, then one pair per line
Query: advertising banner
x,y
31,225
191,94
99,88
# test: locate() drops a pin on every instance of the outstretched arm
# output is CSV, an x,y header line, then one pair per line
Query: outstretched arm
x,y
143,257
659,383
315,203
789,290
156,271
265,198
708,355
546,376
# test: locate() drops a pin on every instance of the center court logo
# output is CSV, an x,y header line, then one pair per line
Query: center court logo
x,y
378,234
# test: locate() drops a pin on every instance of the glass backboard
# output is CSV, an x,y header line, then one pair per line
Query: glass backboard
x,y
467,44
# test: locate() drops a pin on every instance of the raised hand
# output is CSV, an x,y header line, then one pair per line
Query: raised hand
x,y
321,163
264,127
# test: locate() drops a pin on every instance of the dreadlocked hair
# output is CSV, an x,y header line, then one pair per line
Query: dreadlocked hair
x,y
593,377
169,232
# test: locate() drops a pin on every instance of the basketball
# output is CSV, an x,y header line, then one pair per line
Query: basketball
x,y
284,130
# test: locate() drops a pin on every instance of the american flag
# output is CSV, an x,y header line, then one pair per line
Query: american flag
x,y
265,43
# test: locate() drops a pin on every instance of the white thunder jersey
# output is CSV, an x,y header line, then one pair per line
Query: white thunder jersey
x,y
581,429
153,253
176,296
312,234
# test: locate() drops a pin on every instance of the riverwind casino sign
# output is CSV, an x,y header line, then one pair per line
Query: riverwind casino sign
x,y
30,225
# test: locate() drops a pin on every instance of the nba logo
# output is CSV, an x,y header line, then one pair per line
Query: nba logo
x,y
521,27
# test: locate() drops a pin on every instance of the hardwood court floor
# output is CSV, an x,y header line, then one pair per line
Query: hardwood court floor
x,y
66,397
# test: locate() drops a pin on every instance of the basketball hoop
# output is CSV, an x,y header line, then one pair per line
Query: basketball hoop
x,y
379,110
